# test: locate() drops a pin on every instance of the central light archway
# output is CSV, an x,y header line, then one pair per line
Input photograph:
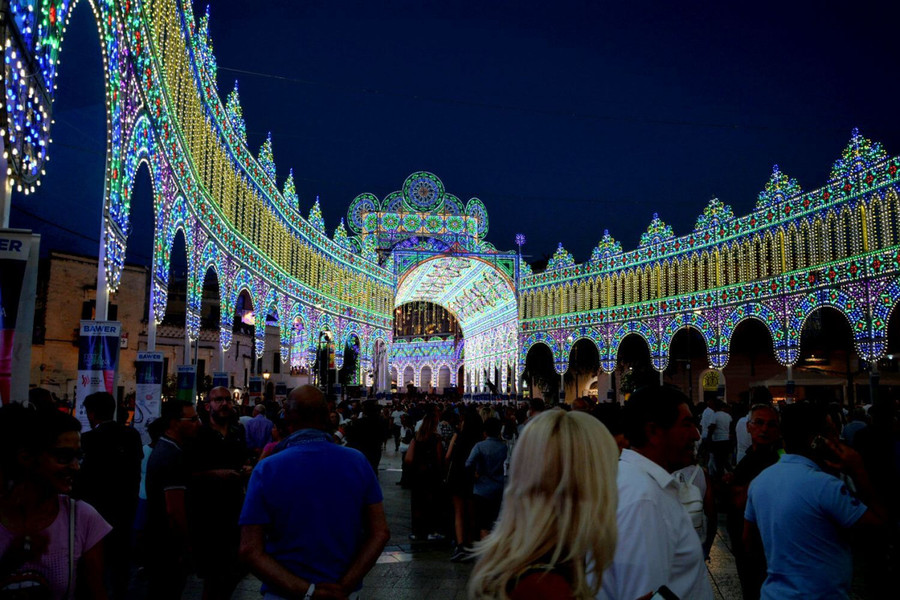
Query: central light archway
x,y
483,300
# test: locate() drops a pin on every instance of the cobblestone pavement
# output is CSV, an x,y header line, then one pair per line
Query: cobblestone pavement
x,y
422,570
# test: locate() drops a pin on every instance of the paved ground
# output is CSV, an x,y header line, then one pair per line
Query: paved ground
x,y
421,570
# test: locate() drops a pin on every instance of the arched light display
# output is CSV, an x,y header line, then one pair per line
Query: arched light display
x,y
835,246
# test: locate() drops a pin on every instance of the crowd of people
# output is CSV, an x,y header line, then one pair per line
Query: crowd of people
x,y
582,501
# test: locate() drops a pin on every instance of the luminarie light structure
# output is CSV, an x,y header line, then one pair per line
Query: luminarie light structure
x,y
836,246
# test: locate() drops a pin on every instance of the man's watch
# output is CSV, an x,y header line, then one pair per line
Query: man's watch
x,y
310,591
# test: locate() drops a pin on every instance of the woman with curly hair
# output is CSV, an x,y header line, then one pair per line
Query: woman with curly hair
x,y
557,528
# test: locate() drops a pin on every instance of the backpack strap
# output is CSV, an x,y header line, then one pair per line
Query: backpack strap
x,y
694,476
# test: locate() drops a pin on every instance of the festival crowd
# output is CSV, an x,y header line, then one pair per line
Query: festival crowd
x,y
580,501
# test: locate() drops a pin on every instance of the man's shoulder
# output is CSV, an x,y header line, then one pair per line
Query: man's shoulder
x,y
636,485
164,450
323,451
800,473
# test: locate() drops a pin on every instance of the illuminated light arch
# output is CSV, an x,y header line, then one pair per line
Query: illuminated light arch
x,y
882,312
348,329
402,374
477,293
326,324
422,367
243,281
837,299
757,311
582,333
640,329
541,337
375,336
346,336
690,320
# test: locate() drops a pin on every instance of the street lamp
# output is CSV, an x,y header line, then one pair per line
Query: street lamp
x,y
562,381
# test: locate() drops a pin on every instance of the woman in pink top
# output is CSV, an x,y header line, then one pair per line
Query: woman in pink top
x,y
44,536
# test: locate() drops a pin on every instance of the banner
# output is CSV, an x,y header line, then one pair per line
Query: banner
x,y
148,373
186,388
98,362
255,389
220,379
14,250
280,392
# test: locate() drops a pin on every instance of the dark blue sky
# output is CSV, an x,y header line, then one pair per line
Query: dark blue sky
x,y
564,118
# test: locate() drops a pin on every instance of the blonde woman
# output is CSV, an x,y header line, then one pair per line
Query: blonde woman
x,y
559,509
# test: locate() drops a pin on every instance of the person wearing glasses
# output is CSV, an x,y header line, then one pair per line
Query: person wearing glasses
x,y
46,538
765,443
219,461
168,543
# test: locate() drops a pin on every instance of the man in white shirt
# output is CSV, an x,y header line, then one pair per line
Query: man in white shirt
x,y
720,442
706,419
396,424
657,544
742,438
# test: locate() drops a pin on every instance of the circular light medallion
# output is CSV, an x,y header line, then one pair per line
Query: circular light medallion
x,y
423,192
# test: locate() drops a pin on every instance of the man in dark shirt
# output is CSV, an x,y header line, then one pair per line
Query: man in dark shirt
x,y
765,435
486,460
109,480
168,543
369,433
218,461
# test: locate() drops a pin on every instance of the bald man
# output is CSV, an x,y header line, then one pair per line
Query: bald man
x,y
313,520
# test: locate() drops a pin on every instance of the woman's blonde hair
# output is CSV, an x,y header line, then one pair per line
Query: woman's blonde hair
x,y
559,506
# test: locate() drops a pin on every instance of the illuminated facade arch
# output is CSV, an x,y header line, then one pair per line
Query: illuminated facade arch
x,y
795,253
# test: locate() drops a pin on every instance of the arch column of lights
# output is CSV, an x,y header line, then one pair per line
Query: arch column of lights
x,y
164,110
837,245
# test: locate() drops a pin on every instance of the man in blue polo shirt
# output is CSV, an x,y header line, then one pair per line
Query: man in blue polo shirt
x,y
313,520
801,512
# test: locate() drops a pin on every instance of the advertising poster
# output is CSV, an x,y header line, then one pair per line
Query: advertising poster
x,y
220,379
280,391
255,390
14,250
148,390
186,387
98,362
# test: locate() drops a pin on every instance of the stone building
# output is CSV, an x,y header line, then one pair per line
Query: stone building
x,y
67,294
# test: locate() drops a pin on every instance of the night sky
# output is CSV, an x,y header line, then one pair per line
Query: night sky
x,y
565,118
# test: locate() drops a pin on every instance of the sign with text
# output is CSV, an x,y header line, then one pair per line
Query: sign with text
x,y
14,251
98,362
148,372
186,388
220,379
255,389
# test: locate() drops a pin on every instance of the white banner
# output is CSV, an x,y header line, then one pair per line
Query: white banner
x,y
98,362
148,390
18,280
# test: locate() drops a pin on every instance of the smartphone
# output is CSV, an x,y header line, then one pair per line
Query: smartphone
x,y
664,593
